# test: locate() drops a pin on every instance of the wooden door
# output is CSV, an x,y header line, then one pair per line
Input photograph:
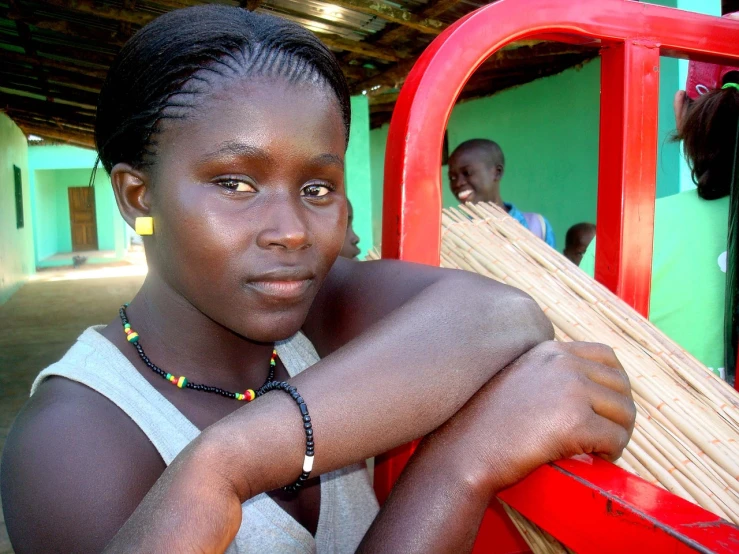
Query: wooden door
x,y
82,218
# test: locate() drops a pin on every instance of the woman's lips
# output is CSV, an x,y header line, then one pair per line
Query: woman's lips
x,y
282,290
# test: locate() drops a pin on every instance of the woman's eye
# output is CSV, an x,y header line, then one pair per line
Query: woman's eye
x,y
237,185
316,190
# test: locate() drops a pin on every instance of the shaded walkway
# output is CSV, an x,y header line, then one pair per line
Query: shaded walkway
x,y
42,320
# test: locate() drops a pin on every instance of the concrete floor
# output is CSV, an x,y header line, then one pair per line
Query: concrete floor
x,y
43,319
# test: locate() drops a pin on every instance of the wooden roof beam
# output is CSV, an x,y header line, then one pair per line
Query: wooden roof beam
x,y
434,9
362,48
56,123
70,137
83,102
142,18
78,87
68,28
13,100
519,55
24,33
104,11
6,56
83,57
392,14
431,10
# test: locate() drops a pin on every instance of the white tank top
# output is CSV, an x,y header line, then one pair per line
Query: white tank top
x,y
348,503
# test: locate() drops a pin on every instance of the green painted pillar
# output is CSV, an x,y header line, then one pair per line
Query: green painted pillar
x,y
673,173
358,174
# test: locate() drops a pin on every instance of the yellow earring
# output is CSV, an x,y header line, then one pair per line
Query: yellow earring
x,y
144,226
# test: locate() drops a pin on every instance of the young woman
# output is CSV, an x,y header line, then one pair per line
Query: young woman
x,y
228,129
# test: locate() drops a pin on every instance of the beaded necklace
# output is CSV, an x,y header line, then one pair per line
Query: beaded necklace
x,y
248,395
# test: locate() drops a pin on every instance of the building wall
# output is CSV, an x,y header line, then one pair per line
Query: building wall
x,y
16,245
47,215
54,170
358,172
548,130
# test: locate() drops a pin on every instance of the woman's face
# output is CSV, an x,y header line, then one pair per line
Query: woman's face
x,y
248,203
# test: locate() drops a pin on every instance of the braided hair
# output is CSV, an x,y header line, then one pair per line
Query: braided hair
x,y
162,71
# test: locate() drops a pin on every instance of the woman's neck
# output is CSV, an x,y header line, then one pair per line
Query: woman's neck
x,y
182,340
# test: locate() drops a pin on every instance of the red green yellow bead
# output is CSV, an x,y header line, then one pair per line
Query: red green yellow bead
x,y
182,382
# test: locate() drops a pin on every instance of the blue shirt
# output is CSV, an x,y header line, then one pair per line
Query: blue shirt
x,y
516,214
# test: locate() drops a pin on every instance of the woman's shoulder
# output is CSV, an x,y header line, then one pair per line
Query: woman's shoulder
x,y
73,458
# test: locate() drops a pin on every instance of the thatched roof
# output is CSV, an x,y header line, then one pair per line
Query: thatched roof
x,y
54,54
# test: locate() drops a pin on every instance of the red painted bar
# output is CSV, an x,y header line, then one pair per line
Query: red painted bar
x,y
611,511
591,505
627,170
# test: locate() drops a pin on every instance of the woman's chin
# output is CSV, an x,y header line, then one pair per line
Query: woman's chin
x,y
272,328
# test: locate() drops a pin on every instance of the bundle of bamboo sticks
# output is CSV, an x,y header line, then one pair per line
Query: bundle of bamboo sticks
x,y
687,427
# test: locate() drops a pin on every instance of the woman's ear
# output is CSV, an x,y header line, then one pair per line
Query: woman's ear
x,y
131,189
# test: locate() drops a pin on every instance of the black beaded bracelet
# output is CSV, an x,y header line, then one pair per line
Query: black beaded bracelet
x,y
307,426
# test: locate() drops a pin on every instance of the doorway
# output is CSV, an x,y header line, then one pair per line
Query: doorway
x,y
82,218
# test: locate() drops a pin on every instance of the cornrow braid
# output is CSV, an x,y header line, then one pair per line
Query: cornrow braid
x,y
166,65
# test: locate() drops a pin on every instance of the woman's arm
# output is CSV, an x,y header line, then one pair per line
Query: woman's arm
x,y
404,376
357,295
407,374
556,401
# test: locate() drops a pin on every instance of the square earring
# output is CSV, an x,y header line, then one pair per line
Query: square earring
x,y
144,226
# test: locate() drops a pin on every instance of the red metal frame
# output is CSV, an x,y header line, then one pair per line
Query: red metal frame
x,y
596,496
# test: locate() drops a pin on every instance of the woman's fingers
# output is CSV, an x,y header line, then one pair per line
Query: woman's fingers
x,y
614,406
593,351
607,439
600,364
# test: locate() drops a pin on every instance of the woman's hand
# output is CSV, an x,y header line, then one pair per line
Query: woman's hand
x,y
556,401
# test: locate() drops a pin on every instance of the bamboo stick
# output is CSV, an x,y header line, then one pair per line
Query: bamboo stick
x,y
687,434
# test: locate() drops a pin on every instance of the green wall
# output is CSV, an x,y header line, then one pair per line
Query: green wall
x,y
358,173
45,227
378,140
54,169
16,245
548,130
